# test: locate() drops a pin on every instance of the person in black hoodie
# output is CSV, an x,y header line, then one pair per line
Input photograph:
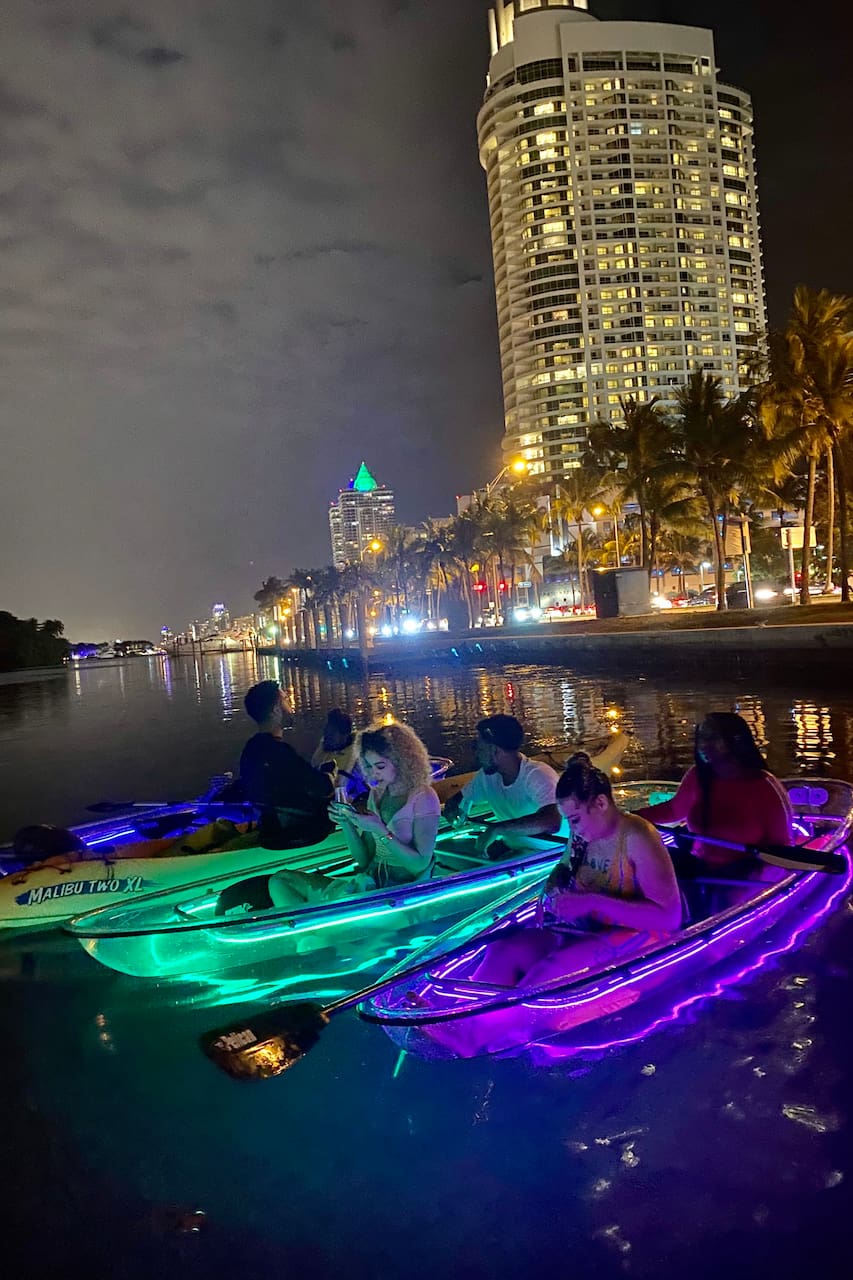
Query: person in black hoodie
x,y
292,797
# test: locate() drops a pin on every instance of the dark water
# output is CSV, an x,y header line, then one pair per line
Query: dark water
x,y
717,1145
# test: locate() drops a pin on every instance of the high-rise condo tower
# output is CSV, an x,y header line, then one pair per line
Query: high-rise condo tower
x,y
624,219
360,517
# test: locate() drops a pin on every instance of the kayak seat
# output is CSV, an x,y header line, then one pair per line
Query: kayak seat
x,y
447,863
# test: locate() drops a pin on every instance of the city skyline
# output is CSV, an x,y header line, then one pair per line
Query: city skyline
x,y
243,252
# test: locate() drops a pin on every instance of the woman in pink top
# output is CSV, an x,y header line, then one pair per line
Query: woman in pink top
x,y
394,841
728,794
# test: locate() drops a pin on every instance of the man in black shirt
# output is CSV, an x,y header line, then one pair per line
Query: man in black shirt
x,y
292,796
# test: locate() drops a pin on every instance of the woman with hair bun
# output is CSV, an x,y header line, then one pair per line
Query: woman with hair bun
x,y
394,841
615,885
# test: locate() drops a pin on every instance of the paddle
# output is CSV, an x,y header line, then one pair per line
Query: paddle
x,y
218,783
273,1040
121,806
791,857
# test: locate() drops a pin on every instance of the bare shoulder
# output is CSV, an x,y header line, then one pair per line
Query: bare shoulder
x,y
644,841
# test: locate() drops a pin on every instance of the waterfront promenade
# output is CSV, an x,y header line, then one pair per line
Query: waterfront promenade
x,y
817,636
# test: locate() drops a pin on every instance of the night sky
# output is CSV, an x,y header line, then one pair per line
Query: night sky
x,y
245,245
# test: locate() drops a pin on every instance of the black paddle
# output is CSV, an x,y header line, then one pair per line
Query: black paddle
x,y
273,1040
219,784
121,806
791,857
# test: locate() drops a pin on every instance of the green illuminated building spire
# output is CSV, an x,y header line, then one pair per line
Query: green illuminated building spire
x,y
361,516
364,481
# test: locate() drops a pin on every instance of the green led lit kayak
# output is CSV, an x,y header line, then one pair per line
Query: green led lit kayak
x,y
178,935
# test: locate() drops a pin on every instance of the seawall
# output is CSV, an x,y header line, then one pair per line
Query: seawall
x,y
812,648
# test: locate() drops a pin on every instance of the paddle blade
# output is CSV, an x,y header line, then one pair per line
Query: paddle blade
x,y
271,1044
169,824
803,859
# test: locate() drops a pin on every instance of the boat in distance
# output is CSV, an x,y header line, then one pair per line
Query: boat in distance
x,y
731,928
183,936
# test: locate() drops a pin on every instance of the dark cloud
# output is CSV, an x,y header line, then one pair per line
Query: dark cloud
x,y
224,310
342,42
310,252
158,56
17,106
128,38
461,275
141,194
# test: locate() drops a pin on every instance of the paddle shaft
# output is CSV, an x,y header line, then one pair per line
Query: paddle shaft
x,y
798,858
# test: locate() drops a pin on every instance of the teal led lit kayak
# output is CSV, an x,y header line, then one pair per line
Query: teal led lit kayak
x,y
179,935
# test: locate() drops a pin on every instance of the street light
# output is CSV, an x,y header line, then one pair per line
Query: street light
x,y
602,511
374,545
519,465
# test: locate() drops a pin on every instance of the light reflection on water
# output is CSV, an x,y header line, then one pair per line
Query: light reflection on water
x,y
151,727
716,1145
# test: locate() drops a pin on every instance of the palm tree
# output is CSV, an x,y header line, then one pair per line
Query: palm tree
x,y
354,583
428,561
268,595
831,374
463,550
629,452
574,496
303,580
806,398
719,450
508,527
395,559
269,598
327,587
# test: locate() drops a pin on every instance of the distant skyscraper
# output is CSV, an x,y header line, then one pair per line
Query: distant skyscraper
x,y
363,513
220,619
624,218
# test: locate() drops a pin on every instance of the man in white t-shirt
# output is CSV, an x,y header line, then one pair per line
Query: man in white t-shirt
x,y
521,793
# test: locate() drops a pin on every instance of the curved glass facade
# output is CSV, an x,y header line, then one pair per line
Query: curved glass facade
x,y
624,220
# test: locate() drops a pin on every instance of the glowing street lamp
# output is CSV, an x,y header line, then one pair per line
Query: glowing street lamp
x,y
520,466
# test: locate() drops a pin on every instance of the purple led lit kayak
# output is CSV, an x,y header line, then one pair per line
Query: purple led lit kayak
x,y
731,927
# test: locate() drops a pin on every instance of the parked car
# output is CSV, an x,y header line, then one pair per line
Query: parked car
x,y
706,598
763,595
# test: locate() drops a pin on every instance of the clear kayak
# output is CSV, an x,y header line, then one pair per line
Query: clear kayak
x,y
139,850
730,928
184,936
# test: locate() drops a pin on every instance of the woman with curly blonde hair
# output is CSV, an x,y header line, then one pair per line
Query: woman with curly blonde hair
x,y
394,841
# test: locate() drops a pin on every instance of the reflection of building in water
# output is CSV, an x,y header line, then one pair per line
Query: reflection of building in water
x,y
558,706
813,737
751,709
